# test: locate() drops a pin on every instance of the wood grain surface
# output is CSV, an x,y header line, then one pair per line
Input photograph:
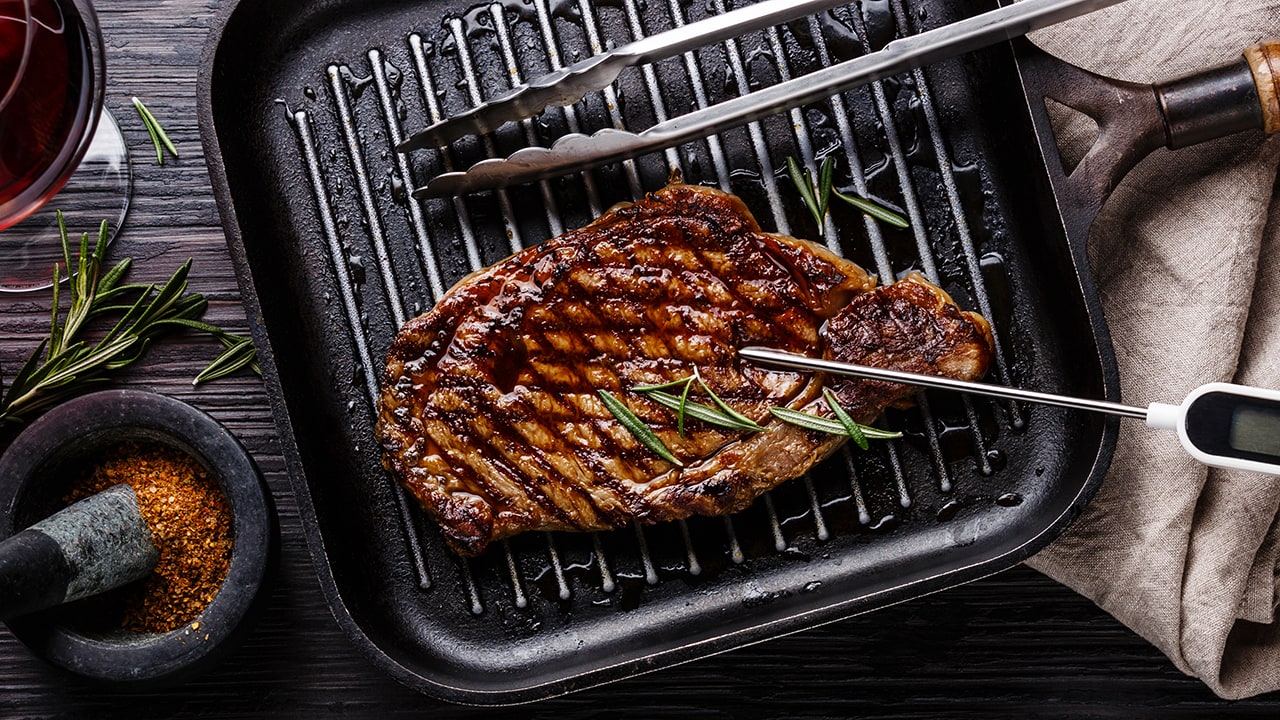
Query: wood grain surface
x,y
1015,645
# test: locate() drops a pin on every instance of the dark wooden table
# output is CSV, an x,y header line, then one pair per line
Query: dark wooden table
x,y
1014,645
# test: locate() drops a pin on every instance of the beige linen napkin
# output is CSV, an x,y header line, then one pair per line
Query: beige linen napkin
x,y
1187,256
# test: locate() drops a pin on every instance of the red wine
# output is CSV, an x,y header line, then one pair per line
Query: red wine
x,y
49,113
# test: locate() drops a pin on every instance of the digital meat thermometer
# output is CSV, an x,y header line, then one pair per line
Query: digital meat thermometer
x,y
1220,424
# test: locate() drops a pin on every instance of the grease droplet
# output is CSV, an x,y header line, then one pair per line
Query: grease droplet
x,y
356,82
1009,499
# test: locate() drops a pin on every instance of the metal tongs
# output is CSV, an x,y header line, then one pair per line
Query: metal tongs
x,y
575,152
568,85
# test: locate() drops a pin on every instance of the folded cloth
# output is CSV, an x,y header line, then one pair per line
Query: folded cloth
x,y
1187,257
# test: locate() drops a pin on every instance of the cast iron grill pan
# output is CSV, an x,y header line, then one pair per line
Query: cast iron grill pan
x,y
302,104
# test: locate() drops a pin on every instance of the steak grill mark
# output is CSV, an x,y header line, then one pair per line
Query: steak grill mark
x,y
450,57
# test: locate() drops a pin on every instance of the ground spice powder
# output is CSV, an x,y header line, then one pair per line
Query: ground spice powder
x,y
190,522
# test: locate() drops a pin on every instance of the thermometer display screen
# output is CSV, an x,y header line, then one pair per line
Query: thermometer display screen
x,y
1235,425
1255,430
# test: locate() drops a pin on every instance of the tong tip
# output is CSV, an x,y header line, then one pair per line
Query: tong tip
x,y
474,121
556,89
572,152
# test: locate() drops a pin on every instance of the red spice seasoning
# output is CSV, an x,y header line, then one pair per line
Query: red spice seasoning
x,y
190,522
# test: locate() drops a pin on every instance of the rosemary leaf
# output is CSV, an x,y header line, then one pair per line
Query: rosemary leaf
x,y
127,320
807,421
164,136
684,403
138,347
827,425
724,407
853,429
106,299
109,281
698,411
663,386
804,185
824,185
158,135
875,433
228,339
198,325
169,293
875,210
62,238
637,428
189,306
53,321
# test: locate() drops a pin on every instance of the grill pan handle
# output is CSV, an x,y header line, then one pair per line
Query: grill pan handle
x,y
1235,97
1134,119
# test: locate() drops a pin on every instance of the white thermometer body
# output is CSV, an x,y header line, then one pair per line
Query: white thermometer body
x,y
1225,425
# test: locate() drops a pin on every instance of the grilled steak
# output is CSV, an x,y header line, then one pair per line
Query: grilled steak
x,y
490,413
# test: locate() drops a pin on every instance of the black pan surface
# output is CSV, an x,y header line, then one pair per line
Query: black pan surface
x,y
300,104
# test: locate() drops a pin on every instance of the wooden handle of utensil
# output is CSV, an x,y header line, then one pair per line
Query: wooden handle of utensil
x,y
1264,62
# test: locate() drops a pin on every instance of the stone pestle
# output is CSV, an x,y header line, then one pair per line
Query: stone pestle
x,y
99,543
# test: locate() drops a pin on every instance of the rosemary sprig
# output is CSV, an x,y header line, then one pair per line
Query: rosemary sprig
x,y
238,351
827,425
65,364
637,428
236,354
875,210
818,198
158,135
825,173
853,429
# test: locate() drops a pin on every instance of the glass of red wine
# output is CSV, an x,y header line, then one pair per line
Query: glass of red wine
x,y
60,150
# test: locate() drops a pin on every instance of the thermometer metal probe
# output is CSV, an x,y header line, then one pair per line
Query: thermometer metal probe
x,y
1219,424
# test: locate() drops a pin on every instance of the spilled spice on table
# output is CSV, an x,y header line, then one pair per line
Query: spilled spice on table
x,y
190,522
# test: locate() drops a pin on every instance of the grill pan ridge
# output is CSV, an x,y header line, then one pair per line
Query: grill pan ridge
x,y
301,105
